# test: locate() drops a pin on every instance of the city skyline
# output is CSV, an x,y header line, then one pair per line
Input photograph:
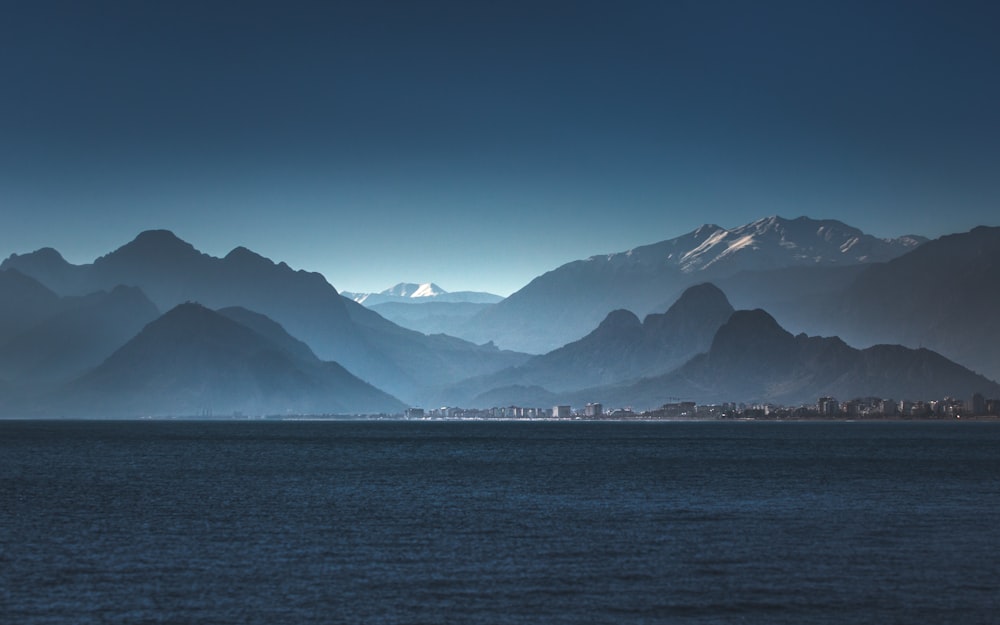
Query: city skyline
x,y
478,145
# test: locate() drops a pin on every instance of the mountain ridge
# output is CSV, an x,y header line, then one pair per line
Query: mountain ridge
x,y
421,293
192,360
170,271
565,303
620,348
753,359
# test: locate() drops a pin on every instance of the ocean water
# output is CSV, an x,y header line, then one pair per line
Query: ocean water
x,y
431,522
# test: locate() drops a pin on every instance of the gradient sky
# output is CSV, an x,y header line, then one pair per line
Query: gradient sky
x,y
479,144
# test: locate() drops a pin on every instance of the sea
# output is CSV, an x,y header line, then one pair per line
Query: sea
x,y
248,522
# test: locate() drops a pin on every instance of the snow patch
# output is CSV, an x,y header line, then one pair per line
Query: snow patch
x,y
427,289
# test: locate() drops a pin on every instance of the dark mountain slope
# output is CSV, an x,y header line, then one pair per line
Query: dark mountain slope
x,y
49,267
621,348
943,296
195,361
171,272
24,302
752,359
86,331
271,330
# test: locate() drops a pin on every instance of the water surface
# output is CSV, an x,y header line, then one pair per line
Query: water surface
x,y
402,522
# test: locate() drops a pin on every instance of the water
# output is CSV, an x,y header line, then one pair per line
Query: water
x,y
376,522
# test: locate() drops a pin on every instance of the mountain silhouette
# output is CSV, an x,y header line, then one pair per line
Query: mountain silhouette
x,y
942,296
195,361
23,302
271,330
621,348
171,271
753,359
565,303
434,317
83,333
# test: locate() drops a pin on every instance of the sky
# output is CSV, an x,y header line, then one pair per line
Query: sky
x,y
480,144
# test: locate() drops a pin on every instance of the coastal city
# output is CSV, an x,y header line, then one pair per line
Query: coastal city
x,y
825,408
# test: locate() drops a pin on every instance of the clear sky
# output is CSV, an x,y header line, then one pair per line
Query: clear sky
x,y
480,144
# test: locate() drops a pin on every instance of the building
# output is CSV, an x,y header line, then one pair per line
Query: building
x,y
593,410
977,405
828,406
562,412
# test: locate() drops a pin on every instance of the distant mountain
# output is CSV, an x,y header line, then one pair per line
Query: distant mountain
x,y
410,293
943,296
24,301
516,395
753,359
194,361
430,317
171,271
621,348
49,267
800,298
84,332
402,291
565,303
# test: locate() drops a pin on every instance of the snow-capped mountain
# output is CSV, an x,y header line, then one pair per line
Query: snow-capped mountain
x,y
412,293
769,243
408,289
564,304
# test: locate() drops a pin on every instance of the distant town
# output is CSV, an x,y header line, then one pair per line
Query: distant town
x,y
825,408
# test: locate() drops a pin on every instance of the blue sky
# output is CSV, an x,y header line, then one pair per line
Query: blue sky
x,y
480,144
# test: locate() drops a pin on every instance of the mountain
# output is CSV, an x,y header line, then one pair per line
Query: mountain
x,y
271,330
84,332
438,312
942,296
48,267
800,298
621,348
171,271
563,304
23,302
402,291
195,361
431,317
753,359
410,293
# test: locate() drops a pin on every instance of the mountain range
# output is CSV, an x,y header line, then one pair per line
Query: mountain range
x,y
567,302
72,335
245,334
703,350
755,359
411,293
426,308
111,354
405,363
621,348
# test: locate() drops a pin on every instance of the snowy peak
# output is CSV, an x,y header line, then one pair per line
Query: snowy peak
x,y
401,291
408,289
768,243
412,293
